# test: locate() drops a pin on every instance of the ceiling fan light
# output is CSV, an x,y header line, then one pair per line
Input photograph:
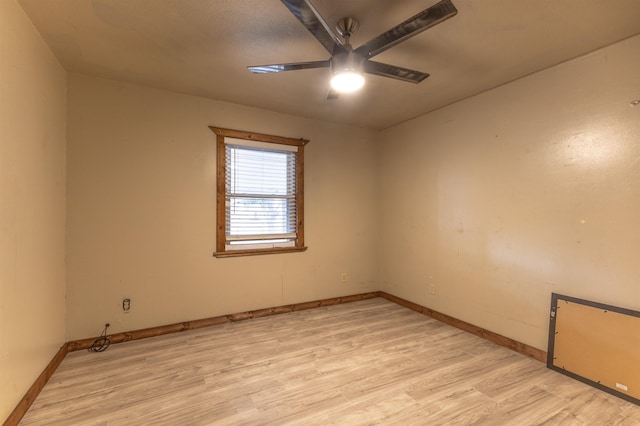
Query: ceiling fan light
x,y
347,81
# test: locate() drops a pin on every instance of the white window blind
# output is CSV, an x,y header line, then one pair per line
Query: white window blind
x,y
260,195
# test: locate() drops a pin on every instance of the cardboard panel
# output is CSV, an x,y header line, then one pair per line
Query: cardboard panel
x,y
597,344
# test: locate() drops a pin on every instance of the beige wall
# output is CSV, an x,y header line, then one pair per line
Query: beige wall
x,y
141,211
32,205
527,189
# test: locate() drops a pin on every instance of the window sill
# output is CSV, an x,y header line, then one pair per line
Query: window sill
x,y
257,252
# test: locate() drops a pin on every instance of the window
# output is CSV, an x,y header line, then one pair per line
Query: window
x,y
260,193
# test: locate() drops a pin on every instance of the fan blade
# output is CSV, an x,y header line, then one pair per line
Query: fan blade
x,y
391,71
264,69
434,15
309,16
332,94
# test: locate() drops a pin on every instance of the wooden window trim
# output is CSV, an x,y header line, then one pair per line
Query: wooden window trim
x,y
221,133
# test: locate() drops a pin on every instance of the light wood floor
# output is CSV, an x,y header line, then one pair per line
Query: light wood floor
x,y
368,362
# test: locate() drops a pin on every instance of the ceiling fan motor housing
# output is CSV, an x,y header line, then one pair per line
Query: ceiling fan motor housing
x,y
348,61
347,71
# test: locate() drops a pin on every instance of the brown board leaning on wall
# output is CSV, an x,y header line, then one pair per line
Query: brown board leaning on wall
x,y
597,344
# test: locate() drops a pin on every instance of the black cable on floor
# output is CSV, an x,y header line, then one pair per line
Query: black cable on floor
x,y
102,342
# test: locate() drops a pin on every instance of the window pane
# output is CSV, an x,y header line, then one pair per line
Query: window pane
x,y
260,195
254,216
254,171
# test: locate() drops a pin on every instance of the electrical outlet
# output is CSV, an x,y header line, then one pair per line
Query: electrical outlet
x,y
343,277
432,289
126,304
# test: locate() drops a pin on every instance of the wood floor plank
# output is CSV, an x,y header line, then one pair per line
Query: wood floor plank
x,y
366,362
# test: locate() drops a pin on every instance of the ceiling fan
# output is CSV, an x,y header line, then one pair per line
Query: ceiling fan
x,y
347,65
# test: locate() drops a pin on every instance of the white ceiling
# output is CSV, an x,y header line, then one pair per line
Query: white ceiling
x,y
202,47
